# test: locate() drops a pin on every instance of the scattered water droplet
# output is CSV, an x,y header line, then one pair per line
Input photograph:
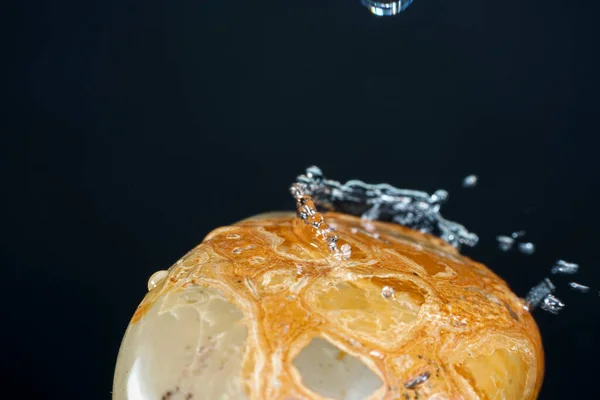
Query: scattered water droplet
x,y
155,279
552,304
470,181
314,172
565,267
440,196
383,8
346,250
527,248
518,234
579,287
387,292
505,243
537,293
232,236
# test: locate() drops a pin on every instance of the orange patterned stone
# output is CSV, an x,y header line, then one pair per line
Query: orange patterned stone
x,y
263,309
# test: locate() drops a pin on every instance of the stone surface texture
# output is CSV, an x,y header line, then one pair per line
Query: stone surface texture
x,y
262,310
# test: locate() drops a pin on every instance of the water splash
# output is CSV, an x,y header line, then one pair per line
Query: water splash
x,y
307,211
383,8
383,202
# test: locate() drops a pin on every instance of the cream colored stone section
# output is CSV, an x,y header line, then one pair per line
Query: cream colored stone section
x,y
188,346
334,374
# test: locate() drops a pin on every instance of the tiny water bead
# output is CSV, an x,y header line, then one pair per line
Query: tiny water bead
x,y
417,380
387,292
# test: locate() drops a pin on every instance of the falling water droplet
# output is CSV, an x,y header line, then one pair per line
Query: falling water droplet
x,y
527,248
386,7
156,278
470,181
505,243
565,267
387,292
579,287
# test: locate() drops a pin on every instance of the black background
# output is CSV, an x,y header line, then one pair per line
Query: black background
x,y
135,128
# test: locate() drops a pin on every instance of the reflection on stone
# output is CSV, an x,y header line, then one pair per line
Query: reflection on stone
x,y
330,372
188,346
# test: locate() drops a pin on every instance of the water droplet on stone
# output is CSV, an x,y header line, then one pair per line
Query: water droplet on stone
x,y
383,8
469,181
505,243
579,287
156,278
346,251
416,381
565,267
387,292
376,353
